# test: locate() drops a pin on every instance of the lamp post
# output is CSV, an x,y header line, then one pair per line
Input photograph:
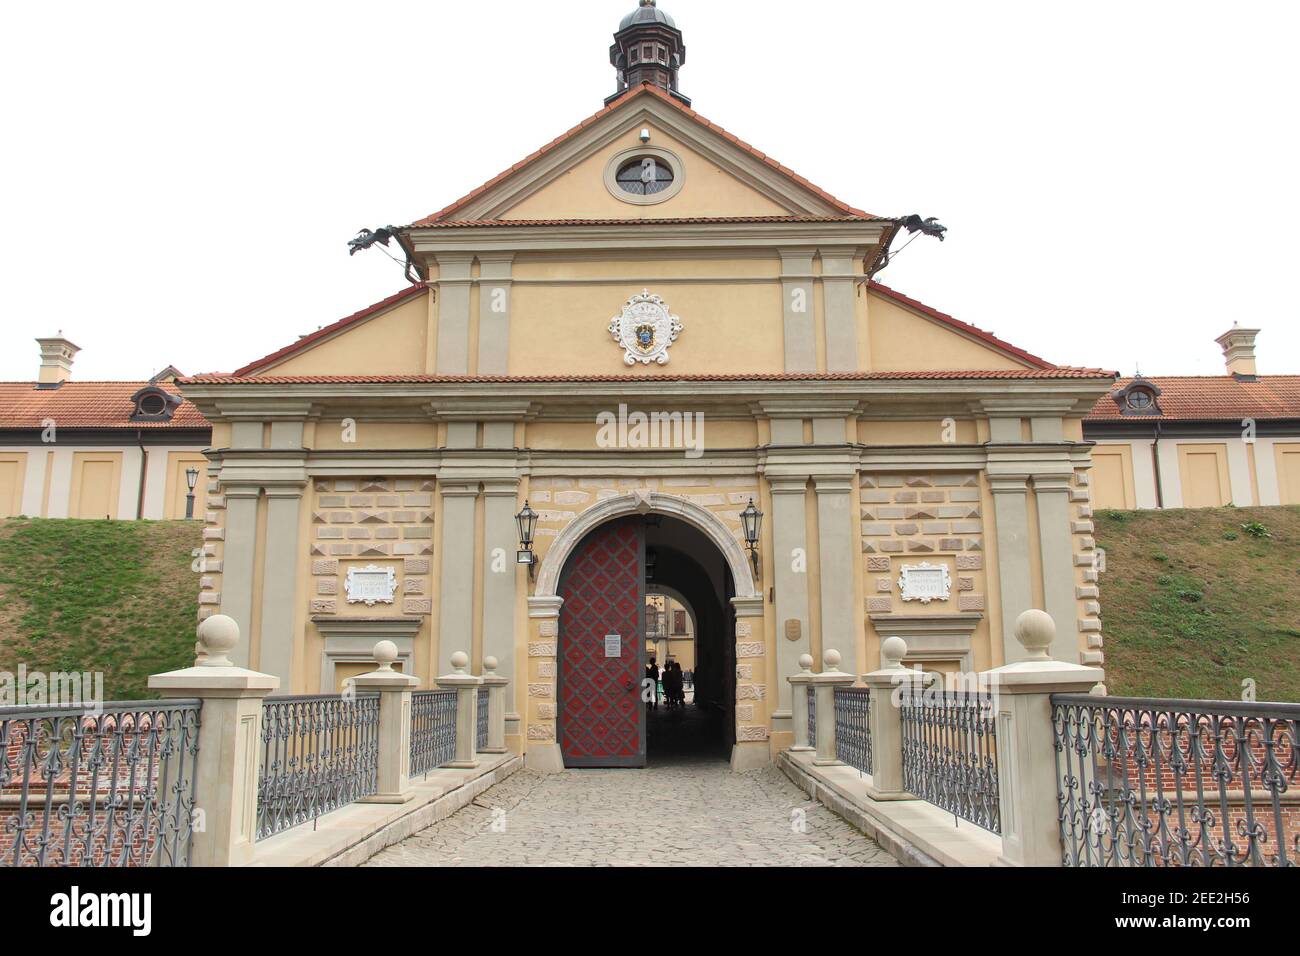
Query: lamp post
x,y
191,479
527,522
751,522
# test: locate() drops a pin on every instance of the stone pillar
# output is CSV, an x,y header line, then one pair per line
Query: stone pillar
x,y
500,505
466,686
230,738
541,748
839,285
799,306
456,587
789,538
1010,512
802,687
838,565
496,685
394,690
237,561
753,748
494,313
1026,741
1056,544
453,313
280,582
884,720
823,685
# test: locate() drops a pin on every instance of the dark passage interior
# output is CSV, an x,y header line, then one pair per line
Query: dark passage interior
x,y
682,563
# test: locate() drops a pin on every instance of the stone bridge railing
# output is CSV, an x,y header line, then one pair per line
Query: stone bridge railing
x,y
1061,774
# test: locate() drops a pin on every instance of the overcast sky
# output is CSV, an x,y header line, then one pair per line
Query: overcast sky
x,y
178,180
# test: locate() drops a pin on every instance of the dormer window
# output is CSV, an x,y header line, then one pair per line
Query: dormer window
x,y
1139,397
153,404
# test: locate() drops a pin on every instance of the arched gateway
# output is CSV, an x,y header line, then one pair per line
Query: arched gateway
x,y
597,575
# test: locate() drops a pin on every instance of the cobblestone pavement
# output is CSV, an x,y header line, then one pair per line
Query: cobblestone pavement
x,y
689,810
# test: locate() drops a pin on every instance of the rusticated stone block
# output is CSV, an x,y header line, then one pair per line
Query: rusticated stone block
x,y
744,672
413,586
541,731
744,629
905,498
324,567
546,668
878,564
951,544
879,605
324,607
751,692
970,603
541,691
750,650
546,711
965,584
416,566
327,586
417,607
745,713
933,497
549,628
970,562
751,734
884,585
903,530
539,649
212,598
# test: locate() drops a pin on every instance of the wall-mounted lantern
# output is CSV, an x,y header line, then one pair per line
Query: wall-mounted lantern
x,y
527,521
191,479
751,522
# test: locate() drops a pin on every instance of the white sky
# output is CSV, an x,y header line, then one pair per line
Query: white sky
x,y
178,181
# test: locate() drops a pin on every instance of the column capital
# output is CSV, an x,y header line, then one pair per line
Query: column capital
x,y
548,606
745,606
788,484
833,484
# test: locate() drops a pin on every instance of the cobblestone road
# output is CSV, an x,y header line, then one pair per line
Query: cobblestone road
x,y
691,812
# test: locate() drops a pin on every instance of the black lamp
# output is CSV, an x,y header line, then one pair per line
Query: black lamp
x,y
191,479
751,521
527,522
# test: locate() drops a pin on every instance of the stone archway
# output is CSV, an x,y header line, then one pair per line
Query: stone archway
x,y
703,520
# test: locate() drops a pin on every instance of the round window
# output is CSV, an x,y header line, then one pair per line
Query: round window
x,y
152,405
644,177
1139,400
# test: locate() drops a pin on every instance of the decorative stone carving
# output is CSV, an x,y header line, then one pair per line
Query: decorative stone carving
x,y
925,582
371,585
645,330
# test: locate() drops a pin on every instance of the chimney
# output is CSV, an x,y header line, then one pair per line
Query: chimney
x,y
56,359
1239,351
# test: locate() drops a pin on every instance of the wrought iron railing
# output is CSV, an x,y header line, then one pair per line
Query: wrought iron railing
x,y
110,788
950,753
1176,782
812,715
852,733
433,730
318,754
481,716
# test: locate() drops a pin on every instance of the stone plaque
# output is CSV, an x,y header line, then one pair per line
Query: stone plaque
x,y
613,645
371,585
793,629
925,582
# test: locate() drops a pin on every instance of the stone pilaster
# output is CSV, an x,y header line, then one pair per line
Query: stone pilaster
x,y
838,293
838,566
494,314
1056,544
456,586
500,576
789,569
453,313
1011,515
238,557
541,744
799,306
279,582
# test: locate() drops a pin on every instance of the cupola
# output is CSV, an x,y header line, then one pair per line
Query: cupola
x,y
648,48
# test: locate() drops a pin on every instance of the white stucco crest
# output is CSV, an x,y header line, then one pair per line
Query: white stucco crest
x,y
645,329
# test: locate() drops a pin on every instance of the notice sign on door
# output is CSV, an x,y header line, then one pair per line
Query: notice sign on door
x,y
613,645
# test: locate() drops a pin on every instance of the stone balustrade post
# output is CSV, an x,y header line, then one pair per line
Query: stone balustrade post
x,y
1026,742
884,719
800,688
466,686
823,686
230,738
394,689
496,685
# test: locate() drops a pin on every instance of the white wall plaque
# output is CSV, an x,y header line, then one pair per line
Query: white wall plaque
x,y
371,585
925,582
613,645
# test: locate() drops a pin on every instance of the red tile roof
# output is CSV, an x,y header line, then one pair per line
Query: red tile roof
x,y
959,325
86,405
1208,398
678,221
643,90
410,292
1053,372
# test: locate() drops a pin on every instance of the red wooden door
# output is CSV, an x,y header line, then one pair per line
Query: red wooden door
x,y
602,649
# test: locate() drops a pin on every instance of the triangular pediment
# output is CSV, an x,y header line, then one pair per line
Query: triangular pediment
x,y
720,175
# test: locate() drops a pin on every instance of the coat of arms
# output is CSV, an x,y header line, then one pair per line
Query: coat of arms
x,y
645,330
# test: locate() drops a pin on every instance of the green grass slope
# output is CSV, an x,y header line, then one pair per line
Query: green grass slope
x,y
1193,603
111,596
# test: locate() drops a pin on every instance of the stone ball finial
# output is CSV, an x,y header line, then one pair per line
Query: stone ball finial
x,y
460,661
1035,630
490,665
805,662
832,659
892,652
218,636
385,654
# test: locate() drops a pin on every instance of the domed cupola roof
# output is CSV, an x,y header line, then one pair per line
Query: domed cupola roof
x,y
648,48
647,12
